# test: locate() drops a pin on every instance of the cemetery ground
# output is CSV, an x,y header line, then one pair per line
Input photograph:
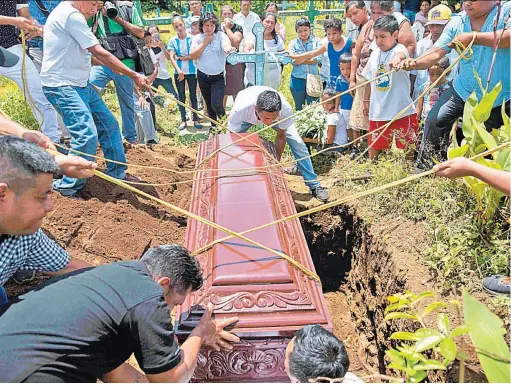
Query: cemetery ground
x,y
421,236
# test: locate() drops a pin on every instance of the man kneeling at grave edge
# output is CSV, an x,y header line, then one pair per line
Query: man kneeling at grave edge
x,y
91,321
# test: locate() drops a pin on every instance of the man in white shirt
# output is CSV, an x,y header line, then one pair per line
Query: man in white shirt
x,y
315,352
263,105
247,19
68,46
438,17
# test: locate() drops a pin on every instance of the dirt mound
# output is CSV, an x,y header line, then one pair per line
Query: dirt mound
x,y
114,224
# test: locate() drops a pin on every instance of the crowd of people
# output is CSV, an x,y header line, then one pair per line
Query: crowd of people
x,y
93,319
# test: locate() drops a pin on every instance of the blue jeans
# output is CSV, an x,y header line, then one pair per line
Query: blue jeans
x,y
167,85
3,296
299,91
88,119
410,15
100,76
298,149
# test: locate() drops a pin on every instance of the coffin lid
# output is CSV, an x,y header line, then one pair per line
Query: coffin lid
x,y
269,295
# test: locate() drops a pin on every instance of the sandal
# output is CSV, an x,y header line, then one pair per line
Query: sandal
x,y
182,126
197,125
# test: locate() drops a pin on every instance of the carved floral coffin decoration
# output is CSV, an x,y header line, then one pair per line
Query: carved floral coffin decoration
x,y
271,297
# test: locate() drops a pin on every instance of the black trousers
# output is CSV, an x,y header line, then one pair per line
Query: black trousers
x,y
191,80
212,88
442,116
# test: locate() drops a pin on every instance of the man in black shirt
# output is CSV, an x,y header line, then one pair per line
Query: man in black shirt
x,y
85,325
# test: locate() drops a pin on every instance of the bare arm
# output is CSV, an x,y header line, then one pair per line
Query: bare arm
x,y
304,57
197,51
114,63
461,166
487,38
234,38
280,142
73,265
420,106
125,373
132,29
407,38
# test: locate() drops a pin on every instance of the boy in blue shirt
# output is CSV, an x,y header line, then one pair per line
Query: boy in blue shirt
x,y
344,104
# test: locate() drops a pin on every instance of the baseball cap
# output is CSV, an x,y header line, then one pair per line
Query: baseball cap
x,y
8,59
441,14
194,19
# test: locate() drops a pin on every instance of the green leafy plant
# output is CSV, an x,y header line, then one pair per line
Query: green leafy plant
x,y
429,349
312,124
476,140
411,358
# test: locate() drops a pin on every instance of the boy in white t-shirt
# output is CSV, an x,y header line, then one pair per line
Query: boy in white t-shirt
x,y
387,96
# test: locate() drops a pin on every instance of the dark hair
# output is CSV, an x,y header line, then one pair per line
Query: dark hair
x,y
302,22
345,58
176,263
155,26
356,3
386,5
209,16
387,23
274,32
147,34
21,161
427,1
330,92
176,16
269,101
317,353
443,63
333,23
271,5
228,7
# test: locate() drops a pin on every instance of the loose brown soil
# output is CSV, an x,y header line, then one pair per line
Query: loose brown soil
x,y
358,271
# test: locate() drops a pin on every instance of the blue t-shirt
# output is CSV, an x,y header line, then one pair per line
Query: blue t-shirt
x,y
333,57
412,5
480,61
341,85
39,15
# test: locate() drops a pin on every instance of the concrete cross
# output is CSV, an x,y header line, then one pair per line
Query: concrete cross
x,y
164,20
311,12
259,57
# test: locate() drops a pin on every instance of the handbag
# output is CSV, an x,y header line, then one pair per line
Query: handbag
x,y
314,85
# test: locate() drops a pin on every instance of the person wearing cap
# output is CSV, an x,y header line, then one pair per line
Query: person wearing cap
x,y
196,10
15,15
476,21
438,17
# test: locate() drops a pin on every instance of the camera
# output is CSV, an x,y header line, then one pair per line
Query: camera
x,y
111,10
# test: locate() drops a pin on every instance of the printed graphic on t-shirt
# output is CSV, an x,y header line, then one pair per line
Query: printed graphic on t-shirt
x,y
382,84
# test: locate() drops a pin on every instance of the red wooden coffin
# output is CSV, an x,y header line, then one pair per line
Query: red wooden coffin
x,y
271,297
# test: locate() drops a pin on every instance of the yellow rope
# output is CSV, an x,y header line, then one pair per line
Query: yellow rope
x,y
252,134
344,200
184,212
456,43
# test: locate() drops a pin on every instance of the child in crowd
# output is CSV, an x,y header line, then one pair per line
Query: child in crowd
x,y
335,136
426,102
387,96
145,112
185,70
272,43
162,55
335,46
422,15
344,104
305,42
194,25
